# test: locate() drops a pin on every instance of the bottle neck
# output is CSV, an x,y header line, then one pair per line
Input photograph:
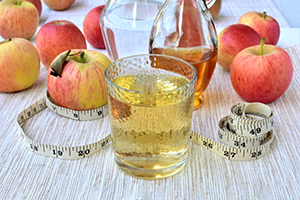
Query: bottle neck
x,y
210,3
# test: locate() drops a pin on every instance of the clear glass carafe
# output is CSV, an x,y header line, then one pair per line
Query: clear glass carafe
x,y
214,7
185,29
126,26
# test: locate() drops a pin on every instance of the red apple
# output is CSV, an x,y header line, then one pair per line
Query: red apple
x,y
19,65
266,26
59,4
37,4
81,85
18,19
57,36
261,73
92,29
232,40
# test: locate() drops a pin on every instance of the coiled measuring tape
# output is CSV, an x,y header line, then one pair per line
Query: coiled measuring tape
x,y
246,134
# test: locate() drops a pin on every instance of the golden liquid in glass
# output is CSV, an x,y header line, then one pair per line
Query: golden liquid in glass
x,y
203,59
151,130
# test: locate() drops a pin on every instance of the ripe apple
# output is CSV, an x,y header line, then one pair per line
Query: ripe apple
x,y
261,73
232,40
59,4
81,85
266,26
57,36
37,4
18,19
19,65
92,29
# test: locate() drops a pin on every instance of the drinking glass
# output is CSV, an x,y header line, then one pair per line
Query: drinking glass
x,y
150,107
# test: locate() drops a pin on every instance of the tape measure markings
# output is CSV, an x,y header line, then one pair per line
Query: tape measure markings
x,y
77,115
238,131
58,151
244,137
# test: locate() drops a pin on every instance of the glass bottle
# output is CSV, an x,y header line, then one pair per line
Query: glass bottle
x,y
185,29
126,26
214,7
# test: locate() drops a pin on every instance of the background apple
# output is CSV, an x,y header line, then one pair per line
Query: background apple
x,y
266,26
57,36
92,29
82,83
18,19
59,4
232,40
37,4
261,73
19,65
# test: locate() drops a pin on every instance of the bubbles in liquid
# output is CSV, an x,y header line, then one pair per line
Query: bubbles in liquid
x,y
150,128
150,80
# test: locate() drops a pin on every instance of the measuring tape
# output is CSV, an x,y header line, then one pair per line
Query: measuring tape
x,y
246,133
246,136
58,151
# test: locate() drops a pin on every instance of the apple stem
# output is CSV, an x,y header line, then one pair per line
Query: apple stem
x,y
81,56
8,40
264,14
262,42
19,2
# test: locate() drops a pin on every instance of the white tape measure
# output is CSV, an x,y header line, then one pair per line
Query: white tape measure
x,y
246,133
58,151
247,136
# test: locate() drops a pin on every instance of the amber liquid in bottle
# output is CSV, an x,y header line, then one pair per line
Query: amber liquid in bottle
x,y
202,58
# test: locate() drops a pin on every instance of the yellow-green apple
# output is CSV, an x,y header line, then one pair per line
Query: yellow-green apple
x,y
266,26
59,4
18,19
38,5
19,65
232,40
81,84
261,73
57,36
92,29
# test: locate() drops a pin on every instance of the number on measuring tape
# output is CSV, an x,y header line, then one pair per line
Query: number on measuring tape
x,y
206,144
229,154
243,137
83,153
57,151
34,148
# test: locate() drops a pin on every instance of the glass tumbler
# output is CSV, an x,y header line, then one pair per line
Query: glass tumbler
x,y
150,107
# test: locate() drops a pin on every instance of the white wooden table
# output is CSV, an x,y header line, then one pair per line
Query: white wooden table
x,y
26,175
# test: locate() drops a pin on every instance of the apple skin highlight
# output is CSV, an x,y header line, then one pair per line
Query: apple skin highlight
x,y
20,65
232,40
265,25
37,4
13,23
91,28
261,78
57,36
59,4
81,86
